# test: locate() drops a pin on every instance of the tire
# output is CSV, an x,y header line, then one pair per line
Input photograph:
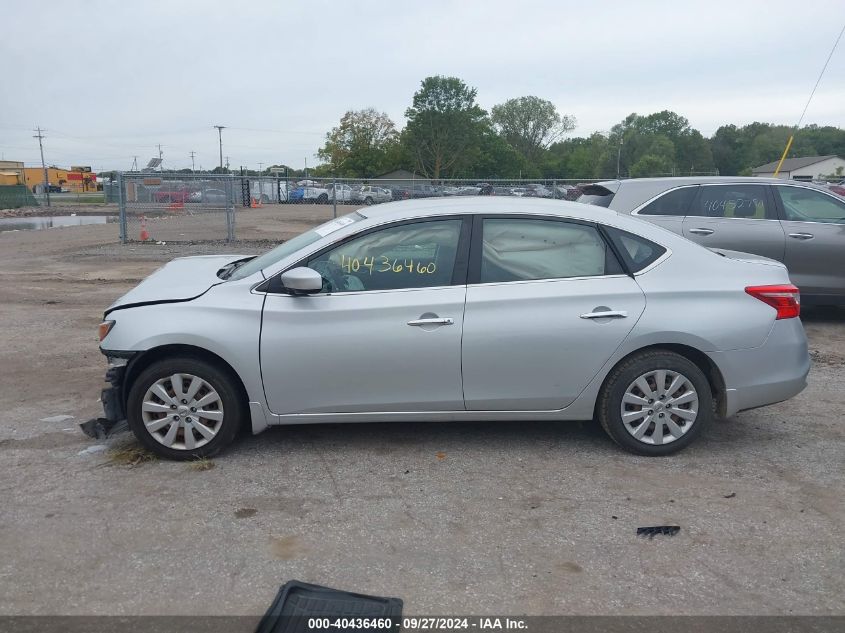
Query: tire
x,y
224,407
323,199
671,426
368,201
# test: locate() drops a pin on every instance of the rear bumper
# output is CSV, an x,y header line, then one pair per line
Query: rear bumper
x,y
775,371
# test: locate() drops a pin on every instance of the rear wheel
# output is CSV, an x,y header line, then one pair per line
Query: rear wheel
x,y
655,403
185,408
323,199
368,201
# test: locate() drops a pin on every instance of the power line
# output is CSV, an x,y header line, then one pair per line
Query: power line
x,y
807,105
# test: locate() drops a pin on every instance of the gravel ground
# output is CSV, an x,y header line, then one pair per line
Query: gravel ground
x,y
454,518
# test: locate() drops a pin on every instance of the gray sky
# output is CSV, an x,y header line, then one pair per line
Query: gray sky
x,y
109,80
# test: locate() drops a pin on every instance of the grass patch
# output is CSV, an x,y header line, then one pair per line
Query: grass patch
x,y
131,455
201,464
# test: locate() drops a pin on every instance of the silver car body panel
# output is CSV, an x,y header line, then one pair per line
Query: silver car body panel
x,y
351,357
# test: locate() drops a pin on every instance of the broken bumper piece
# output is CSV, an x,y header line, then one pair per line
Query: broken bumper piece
x,y
114,413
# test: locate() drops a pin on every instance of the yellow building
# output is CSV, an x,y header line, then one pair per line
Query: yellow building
x,y
11,172
76,179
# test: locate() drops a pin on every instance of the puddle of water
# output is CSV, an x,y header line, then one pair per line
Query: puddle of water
x,y
35,223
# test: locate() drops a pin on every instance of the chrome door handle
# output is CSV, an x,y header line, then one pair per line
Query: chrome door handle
x,y
701,231
438,321
801,236
617,314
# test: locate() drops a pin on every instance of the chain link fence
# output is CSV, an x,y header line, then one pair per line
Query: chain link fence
x,y
178,207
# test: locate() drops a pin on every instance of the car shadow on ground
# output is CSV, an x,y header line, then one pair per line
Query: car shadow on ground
x,y
565,438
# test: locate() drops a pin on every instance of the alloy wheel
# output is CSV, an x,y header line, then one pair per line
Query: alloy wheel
x,y
659,407
182,411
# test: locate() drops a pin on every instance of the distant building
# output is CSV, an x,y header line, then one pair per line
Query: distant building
x,y
75,179
11,173
400,178
806,168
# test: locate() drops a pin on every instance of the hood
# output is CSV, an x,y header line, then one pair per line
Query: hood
x,y
182,279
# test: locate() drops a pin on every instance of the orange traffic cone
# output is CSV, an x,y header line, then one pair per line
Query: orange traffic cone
x,y
144,235
254,204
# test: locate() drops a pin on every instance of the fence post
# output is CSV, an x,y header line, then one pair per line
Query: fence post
x,y
334,198
121,205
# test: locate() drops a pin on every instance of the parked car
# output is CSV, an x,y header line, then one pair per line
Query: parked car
x,y
539,191
369,194
308,191
400,193
342,191
557,311
424,191
209,196
799,224
178,195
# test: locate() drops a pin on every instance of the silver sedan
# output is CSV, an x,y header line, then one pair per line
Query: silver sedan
x,y
457,309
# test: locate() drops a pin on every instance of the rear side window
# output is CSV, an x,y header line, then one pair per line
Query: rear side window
x,y
675,202
528,249
637,251
596,195
733,201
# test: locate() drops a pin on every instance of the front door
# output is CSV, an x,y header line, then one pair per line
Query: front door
x,y
534,334
814,223
736,217
385,332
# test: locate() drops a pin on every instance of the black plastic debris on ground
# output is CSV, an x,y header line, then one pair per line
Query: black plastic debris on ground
x,y
298,603
668,530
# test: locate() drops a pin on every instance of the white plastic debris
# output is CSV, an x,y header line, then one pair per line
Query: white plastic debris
x,y
57,418
93,450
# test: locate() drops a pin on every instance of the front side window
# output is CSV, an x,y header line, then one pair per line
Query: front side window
x,y
418,255
802,204
675,202
526,249
733,201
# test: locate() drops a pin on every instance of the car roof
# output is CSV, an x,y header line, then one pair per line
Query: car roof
x,y
488,205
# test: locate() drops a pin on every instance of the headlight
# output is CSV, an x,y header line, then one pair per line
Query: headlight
x,y
104,328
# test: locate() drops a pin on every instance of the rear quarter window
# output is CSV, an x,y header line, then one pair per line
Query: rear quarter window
x,y
637,252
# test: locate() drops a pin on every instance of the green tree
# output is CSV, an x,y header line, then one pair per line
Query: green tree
x,y
530,125
360,145
443,126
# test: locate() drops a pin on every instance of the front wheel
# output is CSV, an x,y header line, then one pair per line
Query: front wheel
x,y
323,199
184,408
655,403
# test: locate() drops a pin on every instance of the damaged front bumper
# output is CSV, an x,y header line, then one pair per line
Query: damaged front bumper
x,y
114,411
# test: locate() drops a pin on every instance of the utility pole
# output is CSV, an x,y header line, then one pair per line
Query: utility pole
x,y
192,160
134,164
619,155
220,129
160,168
260,165
40,136
227,162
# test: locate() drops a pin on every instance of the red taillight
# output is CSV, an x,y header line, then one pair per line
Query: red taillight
x,y
785,299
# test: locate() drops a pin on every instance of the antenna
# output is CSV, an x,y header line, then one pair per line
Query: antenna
x,y
134,164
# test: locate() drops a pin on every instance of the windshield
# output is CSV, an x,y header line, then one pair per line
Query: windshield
x,y
285,249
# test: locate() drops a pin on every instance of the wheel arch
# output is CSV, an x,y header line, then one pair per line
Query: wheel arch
x,y
697,357
144,359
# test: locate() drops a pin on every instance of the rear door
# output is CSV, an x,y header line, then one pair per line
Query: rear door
x,y
669,208
533,332
739,217
814,224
